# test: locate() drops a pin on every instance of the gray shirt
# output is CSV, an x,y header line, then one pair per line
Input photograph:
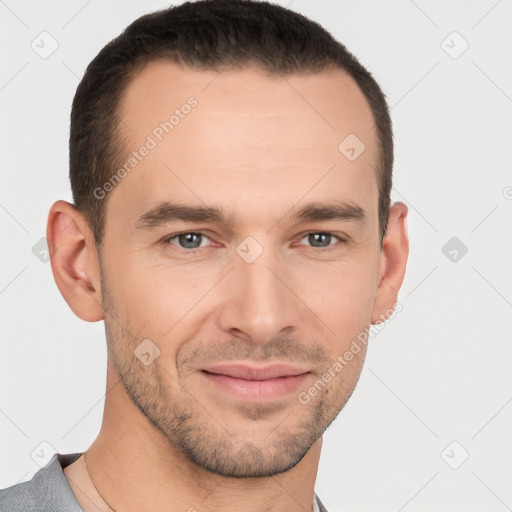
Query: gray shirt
x,y
49,490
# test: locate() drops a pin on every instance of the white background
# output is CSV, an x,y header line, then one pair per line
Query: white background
x,y
439,372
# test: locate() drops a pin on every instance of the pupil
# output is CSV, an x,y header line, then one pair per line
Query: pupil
x,y
187,240
323,238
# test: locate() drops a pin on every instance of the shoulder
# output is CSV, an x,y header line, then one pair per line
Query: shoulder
x,y
47,491
321,507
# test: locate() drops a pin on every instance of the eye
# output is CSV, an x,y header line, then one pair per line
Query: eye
x,y
320,240
189,240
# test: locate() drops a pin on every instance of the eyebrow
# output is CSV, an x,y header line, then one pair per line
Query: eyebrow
x,y
167,212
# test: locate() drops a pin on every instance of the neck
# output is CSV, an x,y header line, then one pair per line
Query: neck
x,y
135,467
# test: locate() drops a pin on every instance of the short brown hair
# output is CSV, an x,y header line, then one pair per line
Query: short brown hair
x,y
205,35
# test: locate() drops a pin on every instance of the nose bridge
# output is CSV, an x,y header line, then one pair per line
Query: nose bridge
x,y
258,303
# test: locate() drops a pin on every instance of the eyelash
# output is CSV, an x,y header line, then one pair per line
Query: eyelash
x,y
342,241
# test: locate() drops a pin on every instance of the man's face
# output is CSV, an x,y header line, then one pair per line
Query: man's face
x,y
249,307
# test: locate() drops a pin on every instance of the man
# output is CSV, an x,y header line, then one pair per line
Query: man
x,y
231,169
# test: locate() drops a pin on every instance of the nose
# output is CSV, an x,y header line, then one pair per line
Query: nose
x,y
260,303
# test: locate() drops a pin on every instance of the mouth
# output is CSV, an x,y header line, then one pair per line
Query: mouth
x,y
254,383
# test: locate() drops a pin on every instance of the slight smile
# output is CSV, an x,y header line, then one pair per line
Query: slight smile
x,y
256,383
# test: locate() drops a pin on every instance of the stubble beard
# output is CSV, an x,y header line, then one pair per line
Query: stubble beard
x,y
197,429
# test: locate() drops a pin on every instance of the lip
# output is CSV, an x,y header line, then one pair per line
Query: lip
x,y
251,372
256,383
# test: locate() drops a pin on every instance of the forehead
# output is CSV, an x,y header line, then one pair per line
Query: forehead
x,y
237,133
330,100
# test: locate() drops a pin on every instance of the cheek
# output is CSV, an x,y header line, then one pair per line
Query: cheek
x,y
154,296
341,293
173,292
136,296
161,300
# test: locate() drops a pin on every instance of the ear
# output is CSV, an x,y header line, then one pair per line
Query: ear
x,y
74,260
393,260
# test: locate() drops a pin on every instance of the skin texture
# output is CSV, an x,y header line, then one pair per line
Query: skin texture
x,y
258,148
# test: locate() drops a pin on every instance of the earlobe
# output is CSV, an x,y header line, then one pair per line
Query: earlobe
x,y
395,250
74,260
